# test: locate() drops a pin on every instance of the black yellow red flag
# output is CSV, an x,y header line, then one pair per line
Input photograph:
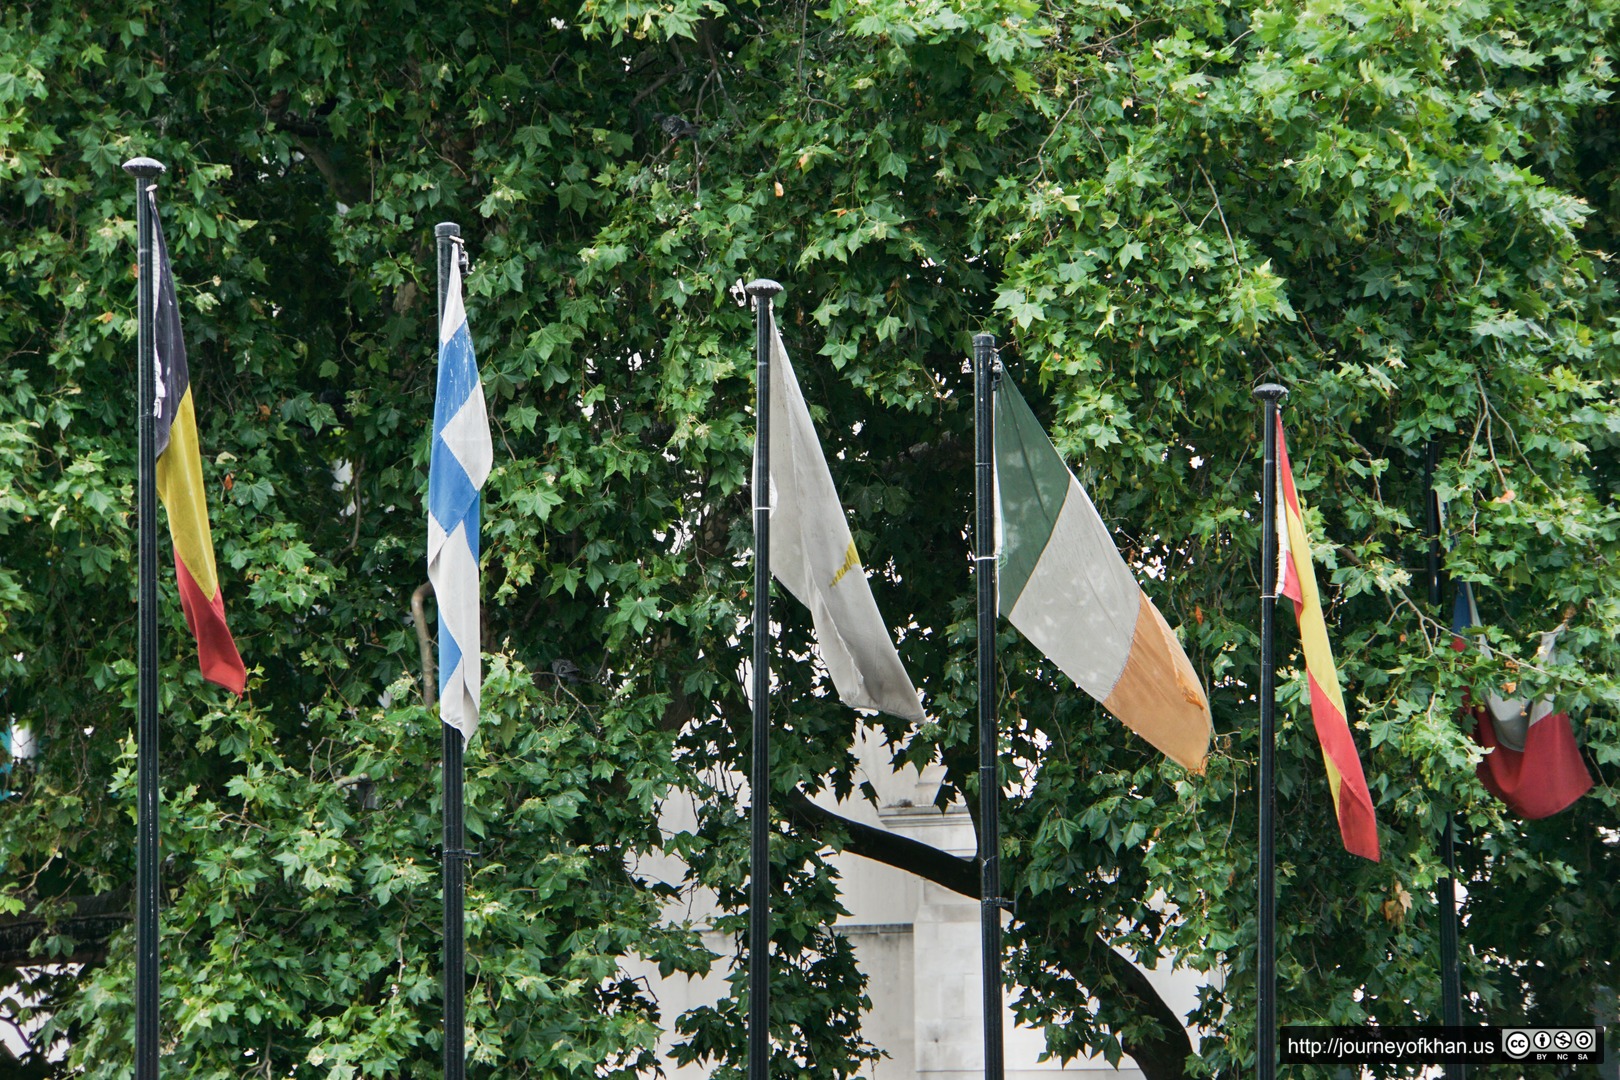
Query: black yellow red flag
x,y
180,485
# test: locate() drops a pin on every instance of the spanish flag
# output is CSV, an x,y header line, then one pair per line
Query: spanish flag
x,y
180,485
1297,581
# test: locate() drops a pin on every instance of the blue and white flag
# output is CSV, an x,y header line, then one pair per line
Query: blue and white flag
x,y
461,459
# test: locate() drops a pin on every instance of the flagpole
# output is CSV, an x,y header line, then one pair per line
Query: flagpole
x,y
759,776
1450,961
1266,965
448,236
986,369
146,171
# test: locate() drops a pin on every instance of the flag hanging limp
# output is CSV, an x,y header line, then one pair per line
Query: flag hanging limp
x,y
1064,585
1534,765
1296,579
180,483
461,458
813,555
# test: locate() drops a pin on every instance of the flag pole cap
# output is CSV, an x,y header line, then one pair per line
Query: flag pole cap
x,y
985,352
144,167
762,287
446,228
1271,392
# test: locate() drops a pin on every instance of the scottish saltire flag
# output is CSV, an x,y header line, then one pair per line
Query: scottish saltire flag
x,y
1063,583
1296,579
180,482
460,463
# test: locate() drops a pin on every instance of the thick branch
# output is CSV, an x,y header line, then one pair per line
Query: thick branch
x,y
424,645
1160,1051
891,849
307,135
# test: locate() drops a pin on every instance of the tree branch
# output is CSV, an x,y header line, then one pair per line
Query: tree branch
x,y
94,920
424,645
880,845
1160,1050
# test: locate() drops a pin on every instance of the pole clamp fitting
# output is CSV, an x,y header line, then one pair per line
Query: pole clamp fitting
x,y
461,253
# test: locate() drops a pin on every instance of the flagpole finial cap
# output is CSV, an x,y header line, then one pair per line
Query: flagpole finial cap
x,y
446,228
1271,392
762,288
984,341
144,167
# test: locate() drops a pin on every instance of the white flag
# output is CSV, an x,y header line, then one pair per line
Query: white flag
x,y
814,557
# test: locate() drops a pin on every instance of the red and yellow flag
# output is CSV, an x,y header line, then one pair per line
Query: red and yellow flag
x,y
1297,581
180,485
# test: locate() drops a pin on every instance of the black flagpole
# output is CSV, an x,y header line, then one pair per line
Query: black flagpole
x,y
986,368
146,171
1266,967
455,866
1450,965
759,776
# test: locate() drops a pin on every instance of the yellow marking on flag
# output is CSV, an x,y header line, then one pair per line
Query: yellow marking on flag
x,y
852,561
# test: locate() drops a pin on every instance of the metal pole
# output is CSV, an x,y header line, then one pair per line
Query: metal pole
x,y
1450,963
147,885
455,864
1266,967
986,369
759,776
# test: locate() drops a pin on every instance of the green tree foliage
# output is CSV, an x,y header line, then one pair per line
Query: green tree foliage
x,y
1403,210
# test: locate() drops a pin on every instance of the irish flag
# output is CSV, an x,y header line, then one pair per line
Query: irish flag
x,y
180,486
1297,581
1063,584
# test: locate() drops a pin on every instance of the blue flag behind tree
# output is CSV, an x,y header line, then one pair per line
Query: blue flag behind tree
x,y
461,459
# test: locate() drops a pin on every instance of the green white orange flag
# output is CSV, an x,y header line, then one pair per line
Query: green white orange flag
x,y
1064,585
180,485
1297,581
813,555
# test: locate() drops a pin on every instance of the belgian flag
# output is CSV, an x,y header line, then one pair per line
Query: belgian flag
x,y
180,485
